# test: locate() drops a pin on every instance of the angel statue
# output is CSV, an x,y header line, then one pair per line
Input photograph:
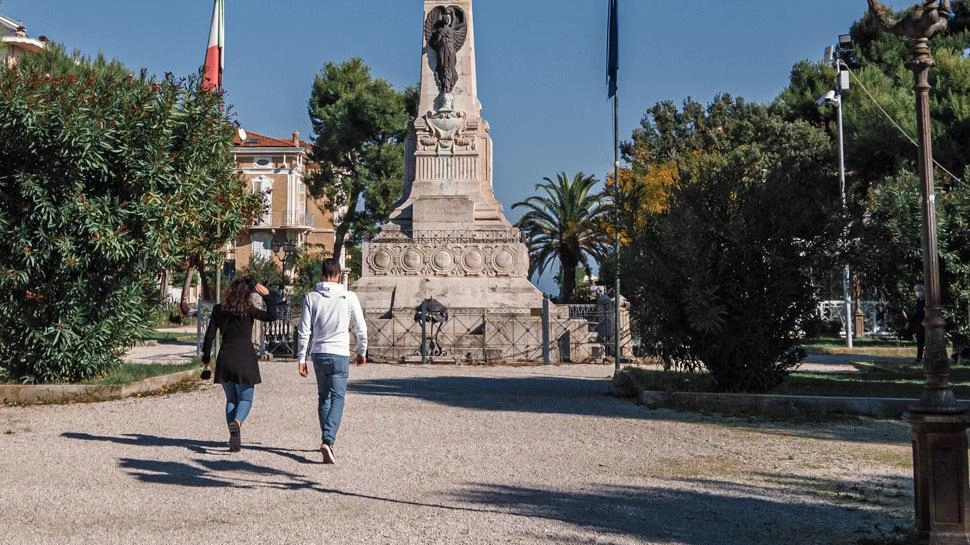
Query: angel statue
x,y
445,29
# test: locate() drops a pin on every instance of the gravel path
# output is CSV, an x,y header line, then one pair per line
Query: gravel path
x,y
444,455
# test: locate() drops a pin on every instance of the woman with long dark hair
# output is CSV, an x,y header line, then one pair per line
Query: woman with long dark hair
x,y
237,366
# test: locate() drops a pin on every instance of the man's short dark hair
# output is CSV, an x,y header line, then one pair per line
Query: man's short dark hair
x,y
331,268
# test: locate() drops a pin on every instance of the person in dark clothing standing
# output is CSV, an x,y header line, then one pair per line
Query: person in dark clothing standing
x,y
237,366
915,322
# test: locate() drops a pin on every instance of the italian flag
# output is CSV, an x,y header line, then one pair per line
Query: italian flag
x,y
214,54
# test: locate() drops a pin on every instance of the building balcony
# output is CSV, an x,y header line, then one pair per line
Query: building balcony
x,y
290,219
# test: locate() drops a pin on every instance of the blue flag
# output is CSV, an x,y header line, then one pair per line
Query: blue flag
x,y
613,54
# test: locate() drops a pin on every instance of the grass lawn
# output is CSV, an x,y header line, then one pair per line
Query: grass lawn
x,y
865,342
883,379
132,372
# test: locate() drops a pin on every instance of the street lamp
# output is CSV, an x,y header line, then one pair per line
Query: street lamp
x,y
283,251
836,56
940,473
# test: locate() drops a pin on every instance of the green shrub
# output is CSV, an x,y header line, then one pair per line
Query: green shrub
x,y
720,278
107,179
308,270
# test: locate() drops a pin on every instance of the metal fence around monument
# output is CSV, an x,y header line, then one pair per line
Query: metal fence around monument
x,y
484,336
277,339
464,338
469,336
601,318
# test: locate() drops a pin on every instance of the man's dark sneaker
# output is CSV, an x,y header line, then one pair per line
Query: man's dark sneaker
x,y
328,456
235,437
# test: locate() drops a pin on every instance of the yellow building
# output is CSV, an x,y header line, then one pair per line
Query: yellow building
x,y
278,169
15,42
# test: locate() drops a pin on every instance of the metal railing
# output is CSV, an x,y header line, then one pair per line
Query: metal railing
x,y
290,218
875,316
486,336
469,336
277,338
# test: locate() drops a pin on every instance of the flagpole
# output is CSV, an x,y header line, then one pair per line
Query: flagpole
x,y
616,228
222,260
612,69
212,81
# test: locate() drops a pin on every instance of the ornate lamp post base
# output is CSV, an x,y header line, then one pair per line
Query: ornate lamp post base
x,y
940,476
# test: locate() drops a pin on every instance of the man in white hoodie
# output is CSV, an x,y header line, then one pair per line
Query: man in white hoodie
x,y
328,312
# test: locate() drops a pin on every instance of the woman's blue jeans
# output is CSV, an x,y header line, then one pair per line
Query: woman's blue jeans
x,y
332,371
239,401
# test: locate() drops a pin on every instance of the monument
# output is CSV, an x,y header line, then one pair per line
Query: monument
x,y
447,238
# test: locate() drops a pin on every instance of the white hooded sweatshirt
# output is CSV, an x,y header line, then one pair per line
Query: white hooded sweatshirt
x,y
327,314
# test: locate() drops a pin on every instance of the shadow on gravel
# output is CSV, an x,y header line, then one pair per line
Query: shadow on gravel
x,y
216,473
195,445
881,432
708,514
553,395
221,473
177,473
876,492
246,475
589,397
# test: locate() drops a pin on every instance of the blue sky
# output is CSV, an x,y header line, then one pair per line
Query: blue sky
x,y
541,63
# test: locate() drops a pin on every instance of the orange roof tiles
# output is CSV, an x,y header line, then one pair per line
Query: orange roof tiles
x,y
256,140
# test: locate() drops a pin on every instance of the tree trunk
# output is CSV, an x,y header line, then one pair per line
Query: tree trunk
x,y
342,228
163,287
186,286
206,286
339,234
567,286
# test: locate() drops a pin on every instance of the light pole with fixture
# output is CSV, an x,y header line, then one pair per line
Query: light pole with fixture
x,y
939,422
835,55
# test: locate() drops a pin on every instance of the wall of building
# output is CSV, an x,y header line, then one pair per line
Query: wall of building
x,y
293,214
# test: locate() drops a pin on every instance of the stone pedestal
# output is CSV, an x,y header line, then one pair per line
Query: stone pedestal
x,y
940,475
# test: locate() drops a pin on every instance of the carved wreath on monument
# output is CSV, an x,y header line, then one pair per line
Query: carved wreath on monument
x,y
443,259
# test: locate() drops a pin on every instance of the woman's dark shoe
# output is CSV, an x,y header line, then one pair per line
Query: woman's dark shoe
x,y
235,437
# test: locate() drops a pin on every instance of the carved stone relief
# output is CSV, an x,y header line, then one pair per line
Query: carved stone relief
x,y
444,259
445,132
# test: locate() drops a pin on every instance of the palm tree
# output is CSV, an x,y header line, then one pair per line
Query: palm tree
x,y
564,222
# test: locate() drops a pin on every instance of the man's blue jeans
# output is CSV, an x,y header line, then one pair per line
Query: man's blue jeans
x,y
332,371
239,400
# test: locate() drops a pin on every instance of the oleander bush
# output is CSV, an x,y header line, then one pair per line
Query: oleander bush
x,y
107,179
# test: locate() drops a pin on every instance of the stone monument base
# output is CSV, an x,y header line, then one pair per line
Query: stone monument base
x,y
517,295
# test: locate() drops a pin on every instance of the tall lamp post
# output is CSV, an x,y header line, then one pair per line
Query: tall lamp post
x,y
835,98
940,476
